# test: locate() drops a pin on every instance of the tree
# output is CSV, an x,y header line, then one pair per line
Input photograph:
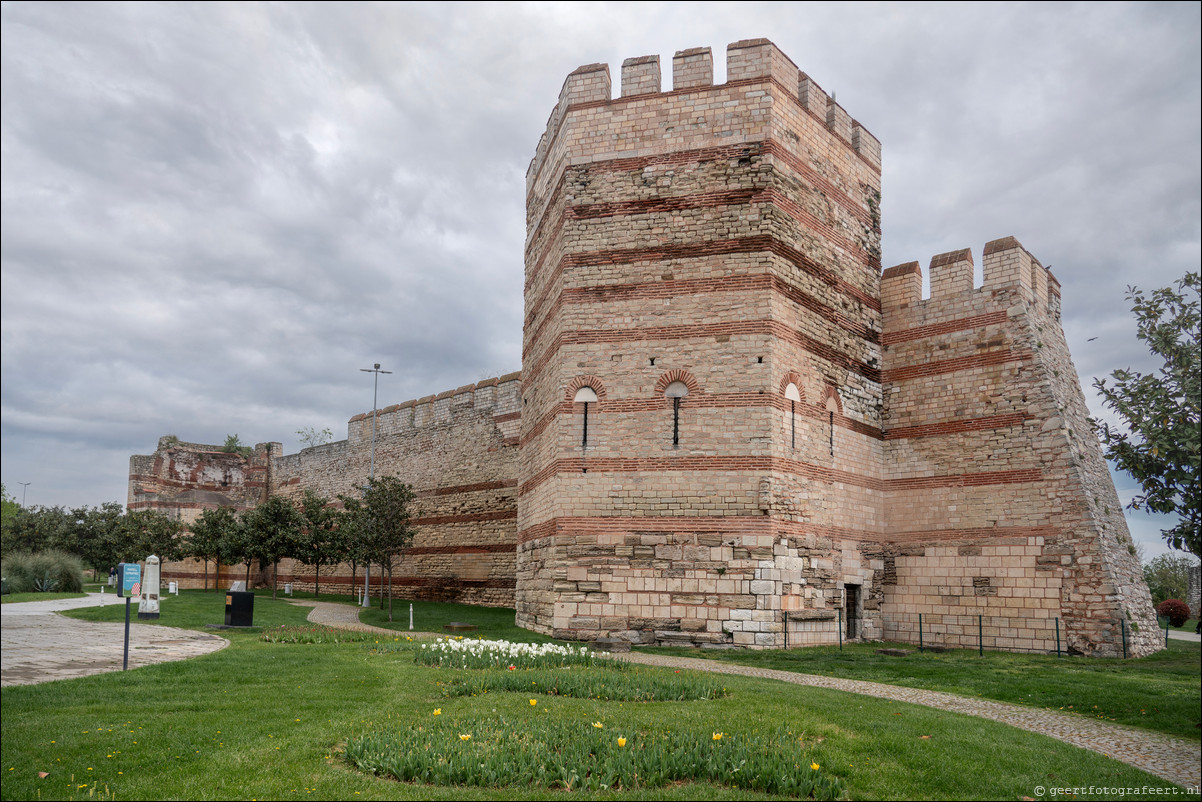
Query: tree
x,y
381,522
1161,444
152,532
10,510
240,546
275,528
323,541
1167,576
310,436
210,537
97,535
34,529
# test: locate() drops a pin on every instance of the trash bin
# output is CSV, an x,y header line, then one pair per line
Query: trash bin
x,y
239,609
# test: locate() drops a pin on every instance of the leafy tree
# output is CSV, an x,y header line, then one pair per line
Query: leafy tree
x,y
323,541
34,529
241,546
275,527
310,436
1167,576
210,537
10,510
96,536
1162,444
381,522
152,532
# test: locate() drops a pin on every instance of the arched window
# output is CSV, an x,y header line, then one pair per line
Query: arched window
x,y
676,391
586,396
794,396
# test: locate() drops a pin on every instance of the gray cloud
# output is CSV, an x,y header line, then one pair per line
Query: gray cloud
x,y
215,214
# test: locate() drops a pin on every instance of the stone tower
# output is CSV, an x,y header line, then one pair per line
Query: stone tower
x,y
733,431
703,293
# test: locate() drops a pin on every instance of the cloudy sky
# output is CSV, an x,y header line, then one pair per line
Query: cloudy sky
x,y
215,214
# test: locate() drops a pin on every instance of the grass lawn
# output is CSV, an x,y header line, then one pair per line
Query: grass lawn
x,y
1161,692
264,720
17,598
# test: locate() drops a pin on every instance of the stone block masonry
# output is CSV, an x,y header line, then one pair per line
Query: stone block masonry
x,y
730,428
736,432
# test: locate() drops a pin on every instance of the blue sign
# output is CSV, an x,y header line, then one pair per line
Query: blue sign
x,y
131,579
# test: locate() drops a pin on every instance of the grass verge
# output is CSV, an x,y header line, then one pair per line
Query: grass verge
x,y
1160,692
268,720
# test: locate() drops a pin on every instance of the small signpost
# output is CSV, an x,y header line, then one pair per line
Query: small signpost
x,y
130,575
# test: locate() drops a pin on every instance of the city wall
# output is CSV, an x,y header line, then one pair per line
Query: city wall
x,y
731,428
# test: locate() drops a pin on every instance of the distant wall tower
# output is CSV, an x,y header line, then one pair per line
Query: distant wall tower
x,y
700,444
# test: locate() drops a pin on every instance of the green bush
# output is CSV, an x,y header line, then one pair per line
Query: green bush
x,y
43,572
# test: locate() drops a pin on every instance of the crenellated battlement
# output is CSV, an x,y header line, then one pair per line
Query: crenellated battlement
x,y
748,62
501,395
1006,265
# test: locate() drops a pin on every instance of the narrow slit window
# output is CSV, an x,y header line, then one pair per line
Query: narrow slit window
x,y
586,396
676,391
794,395
832,432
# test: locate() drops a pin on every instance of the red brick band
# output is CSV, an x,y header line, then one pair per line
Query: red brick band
x,y
821,473
767,525
470,517
957,426
474,488
947,327
938,367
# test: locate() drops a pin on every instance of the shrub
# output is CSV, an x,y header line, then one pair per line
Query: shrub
x,y
1175,610
43,572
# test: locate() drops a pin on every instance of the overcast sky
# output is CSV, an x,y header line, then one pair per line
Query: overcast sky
x,y
215,214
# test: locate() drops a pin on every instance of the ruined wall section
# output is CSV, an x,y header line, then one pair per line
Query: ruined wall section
x,y
998,502
724,238
183,479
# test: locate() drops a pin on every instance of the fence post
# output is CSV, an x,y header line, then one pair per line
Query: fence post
x,y
840,629
920,632
1123,625
980,638
1057,637
1166,630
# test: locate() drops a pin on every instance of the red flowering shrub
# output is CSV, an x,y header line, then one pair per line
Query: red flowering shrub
x,y
1175,610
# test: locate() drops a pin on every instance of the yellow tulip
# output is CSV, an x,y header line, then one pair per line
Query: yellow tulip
x,y
465,737
533,702
717,736
815,766
438,711
598,725
622,742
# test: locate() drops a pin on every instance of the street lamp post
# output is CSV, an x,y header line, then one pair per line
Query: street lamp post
x,y
372,475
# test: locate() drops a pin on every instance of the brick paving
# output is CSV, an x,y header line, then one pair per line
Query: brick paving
x,y
38,645
1174,759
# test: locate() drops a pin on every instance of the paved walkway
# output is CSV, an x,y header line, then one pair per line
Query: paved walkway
x,y
1174,759
345,616
38,645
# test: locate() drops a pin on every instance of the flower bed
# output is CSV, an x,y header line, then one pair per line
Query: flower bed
x,y
588,757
